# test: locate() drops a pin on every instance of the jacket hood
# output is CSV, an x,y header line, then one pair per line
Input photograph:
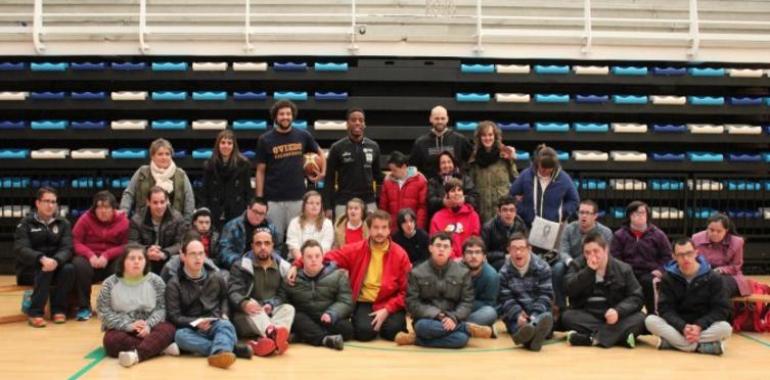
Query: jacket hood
x,y
672,268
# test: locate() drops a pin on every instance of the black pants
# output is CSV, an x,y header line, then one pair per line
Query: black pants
x,y
311,331
730,286
604,335
362,324
645,280
86,275
62,280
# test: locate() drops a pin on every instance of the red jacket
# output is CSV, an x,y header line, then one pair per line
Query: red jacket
x,y
355,258
91,237
414,195
461,224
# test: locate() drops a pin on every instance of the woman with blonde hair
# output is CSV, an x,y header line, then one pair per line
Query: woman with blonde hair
x,y
350,227
310,224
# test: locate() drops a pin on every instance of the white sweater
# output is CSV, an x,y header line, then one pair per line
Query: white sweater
x,y
296,235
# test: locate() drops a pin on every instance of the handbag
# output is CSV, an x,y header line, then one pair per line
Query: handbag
x,y
545,234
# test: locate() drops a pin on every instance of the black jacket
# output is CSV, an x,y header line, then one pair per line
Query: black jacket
x,y
416,247
427,148
226,195
188,300
352,167
433,291
623,292
495,235
172,230
34,239
702,302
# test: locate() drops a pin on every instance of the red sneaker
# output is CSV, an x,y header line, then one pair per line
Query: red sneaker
x,y
281,338
262,346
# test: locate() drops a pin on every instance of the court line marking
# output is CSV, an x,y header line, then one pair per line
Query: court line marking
x,y
96,356
429,350
755,339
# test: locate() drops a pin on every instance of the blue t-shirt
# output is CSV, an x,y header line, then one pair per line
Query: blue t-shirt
x,y
282,153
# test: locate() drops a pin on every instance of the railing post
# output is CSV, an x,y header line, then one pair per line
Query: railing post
x,y
694,30
37,26
143,47
587,27
353,26
479,27
247,27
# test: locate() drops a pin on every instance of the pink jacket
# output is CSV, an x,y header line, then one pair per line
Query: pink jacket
x,y
91,237
461,225
727,256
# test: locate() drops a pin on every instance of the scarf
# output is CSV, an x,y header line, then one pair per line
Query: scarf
x,y
164,177
485,158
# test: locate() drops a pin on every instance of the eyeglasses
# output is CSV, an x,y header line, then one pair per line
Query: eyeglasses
x,y
260,213
686,254
519,249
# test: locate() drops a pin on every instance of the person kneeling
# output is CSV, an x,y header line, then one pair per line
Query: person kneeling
x,y
196,302
526,294
605,298
440,299
323,300
693,306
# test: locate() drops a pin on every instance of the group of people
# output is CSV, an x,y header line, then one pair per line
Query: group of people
x,y
444,241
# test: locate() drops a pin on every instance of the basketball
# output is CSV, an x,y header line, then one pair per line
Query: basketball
x,y
312,165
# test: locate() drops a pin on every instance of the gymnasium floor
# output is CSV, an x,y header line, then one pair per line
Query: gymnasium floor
x,y
73,351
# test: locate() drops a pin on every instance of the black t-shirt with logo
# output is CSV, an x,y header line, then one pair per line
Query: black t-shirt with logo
x,y
282,153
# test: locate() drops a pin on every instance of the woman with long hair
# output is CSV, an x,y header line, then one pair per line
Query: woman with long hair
x,y
226,180
350,227
310,224
492,167
722,247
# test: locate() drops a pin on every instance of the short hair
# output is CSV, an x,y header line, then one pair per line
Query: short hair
x,y
160,143
684,241
516,236
260,230
120,263
590,203
633,206
203,211
506,200
155,190
104,196
189,237
725,220
441,236
377,214
310,243
397,158
259,200
453,183
353,110
594,237
281,104
474,241
45,190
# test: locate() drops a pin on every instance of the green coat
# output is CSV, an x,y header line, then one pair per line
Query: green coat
x,y
328,292
492,182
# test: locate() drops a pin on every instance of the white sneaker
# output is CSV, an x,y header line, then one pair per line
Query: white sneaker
x,y
172,350
128,358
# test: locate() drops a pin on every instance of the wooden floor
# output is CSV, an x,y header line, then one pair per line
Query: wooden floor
x,y
73,351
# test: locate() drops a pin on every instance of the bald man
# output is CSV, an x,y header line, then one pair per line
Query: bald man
x,y
440,139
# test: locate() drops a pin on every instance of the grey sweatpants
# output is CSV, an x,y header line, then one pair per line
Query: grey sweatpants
x,y
658,326
254,326
280,214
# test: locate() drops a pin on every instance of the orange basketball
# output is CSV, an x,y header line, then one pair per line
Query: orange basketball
x,y
312,165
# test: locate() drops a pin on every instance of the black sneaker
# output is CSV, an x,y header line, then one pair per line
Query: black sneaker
x,y
524,334
542,329
577,339
243,351
334,342
711,348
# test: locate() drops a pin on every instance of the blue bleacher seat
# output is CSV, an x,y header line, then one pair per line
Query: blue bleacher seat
x,y
249,124
466,125
209,95
551,98
169,124
515,127
202,154
180,154
522,156
302,124
12,66
629,99
552,69
669,71
591,127
668,156
88,124
629,70
669,128
290,66
47,95
49,124
13,124
745,101
706,100
707,71
705,157
473,68
551,127
563,156
13,154
129,153
168,95
330,95
290,95
745,157
169,66
88,95
48,66
88,66
471,97
128,66
331,66
250,95
592,98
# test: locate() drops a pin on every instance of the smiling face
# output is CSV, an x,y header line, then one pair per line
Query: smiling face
x,y
225,148
158,204
456,196
439,118
46,206
487,137
445,165
162,158
283,118
356,125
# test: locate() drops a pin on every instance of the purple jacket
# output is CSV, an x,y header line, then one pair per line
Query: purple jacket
x,y
650,252
727,256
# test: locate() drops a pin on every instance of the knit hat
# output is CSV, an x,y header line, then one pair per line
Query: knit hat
x,y
203,211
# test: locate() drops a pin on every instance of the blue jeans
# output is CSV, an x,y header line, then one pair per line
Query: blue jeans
x,y
431,333
513,326
558,271
485,316
62,280
220,337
